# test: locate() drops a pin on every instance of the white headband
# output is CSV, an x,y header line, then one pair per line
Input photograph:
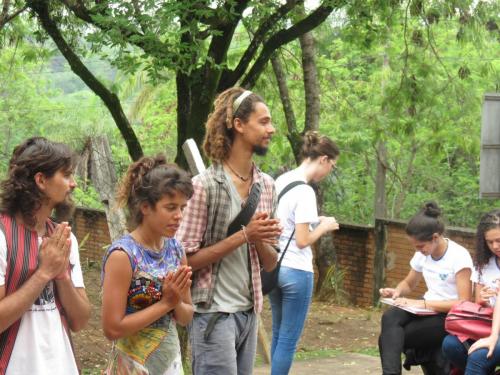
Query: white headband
x,y
240,99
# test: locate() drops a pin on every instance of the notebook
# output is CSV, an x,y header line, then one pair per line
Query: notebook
x,y
412,309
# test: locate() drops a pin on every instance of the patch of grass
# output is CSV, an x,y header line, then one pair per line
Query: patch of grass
x,y
373,351
304,355
258,361
89,371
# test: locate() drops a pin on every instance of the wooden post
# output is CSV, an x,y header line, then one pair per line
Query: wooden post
x,y
380,230
104,179
263,343
490,147
380,210
379,258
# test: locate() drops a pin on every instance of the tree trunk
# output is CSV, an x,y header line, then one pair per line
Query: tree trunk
x,y
406,181
193,108
325,248
311,82
380,209
380,199
110,99
104,180
294,137
379,259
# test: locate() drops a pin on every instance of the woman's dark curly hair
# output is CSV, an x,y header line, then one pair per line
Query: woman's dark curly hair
x,y
148,180
219,133
426,222
19,192
489,221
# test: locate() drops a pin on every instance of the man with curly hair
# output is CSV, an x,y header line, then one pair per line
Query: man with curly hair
x,y
226,286
41,286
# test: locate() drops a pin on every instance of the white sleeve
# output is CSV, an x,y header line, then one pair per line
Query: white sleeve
x,y
74,259
3,258
417,262
306,210
474,277
463,260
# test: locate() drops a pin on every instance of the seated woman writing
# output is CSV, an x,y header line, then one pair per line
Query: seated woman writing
x,y
446,268
484,355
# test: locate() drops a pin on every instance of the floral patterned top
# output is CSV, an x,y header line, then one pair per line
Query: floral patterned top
x,y
154,349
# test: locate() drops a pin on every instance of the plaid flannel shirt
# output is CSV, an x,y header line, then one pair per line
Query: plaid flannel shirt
x,y
205,222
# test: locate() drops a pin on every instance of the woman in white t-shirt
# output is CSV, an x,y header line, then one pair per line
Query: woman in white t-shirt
x,y
297,209
484,355
445,267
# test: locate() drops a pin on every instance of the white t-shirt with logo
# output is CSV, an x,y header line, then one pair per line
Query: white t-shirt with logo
x,y
489,276
42,345
297,206
440,275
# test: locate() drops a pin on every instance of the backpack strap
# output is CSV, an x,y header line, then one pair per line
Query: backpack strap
x,y
285,190
289,187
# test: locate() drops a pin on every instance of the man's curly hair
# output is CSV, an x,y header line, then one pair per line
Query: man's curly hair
x,y
219,133
19,192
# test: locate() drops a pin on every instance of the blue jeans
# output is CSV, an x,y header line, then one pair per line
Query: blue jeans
x,y
290,302
474,364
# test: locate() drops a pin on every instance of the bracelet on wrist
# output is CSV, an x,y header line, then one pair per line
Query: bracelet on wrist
x,y
245,233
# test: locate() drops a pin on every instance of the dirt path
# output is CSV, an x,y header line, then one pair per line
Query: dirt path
x,y
344,364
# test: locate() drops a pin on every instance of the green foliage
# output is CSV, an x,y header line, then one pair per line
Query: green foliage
x,y
332,288
85,195
424,102
157,122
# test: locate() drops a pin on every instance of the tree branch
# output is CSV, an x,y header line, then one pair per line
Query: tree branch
x,y
285,36
231,77
5,18
137,15
220,43
154,47
5,9
214,21
291,123
217,54
111,100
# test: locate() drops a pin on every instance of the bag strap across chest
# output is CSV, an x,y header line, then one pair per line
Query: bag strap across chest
x,y
285,190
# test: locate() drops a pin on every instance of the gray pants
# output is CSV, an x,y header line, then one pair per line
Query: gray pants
x,y
230,347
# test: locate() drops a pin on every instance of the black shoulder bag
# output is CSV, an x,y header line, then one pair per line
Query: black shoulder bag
x,y
269,280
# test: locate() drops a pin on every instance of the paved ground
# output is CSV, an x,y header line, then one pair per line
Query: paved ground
x,y
345,364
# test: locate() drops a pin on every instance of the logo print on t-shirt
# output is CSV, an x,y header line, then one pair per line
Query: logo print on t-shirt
x,y
443,276
46,297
